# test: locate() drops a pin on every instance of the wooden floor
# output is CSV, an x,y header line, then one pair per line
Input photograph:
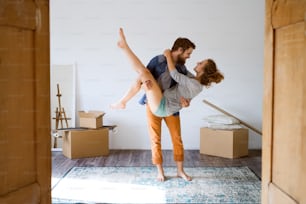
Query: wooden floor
x,y
61,164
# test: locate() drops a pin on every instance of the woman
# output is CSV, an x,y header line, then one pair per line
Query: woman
x,y
168,102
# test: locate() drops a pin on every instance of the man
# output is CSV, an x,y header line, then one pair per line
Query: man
x,y
180,51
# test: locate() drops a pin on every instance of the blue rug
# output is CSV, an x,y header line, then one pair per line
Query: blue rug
x,y
139,185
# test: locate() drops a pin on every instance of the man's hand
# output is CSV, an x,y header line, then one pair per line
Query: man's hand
x,y
184,102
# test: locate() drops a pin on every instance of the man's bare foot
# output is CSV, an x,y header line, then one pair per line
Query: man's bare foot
x,y
122,41
117,106
161,177
184,176
160,173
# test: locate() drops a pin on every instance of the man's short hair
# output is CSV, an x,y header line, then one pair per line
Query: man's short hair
x,y
184,43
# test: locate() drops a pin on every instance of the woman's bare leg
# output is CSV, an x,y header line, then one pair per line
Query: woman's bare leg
x,y
136,63
133,90
154,94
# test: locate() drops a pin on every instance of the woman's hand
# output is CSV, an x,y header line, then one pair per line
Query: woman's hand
x,y
167,53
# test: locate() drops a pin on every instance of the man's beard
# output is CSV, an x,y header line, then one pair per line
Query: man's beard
x,y
180,60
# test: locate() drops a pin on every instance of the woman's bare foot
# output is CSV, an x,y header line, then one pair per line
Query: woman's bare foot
x,y
117,106
122,41
184,176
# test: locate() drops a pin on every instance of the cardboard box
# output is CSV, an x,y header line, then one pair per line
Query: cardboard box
x,y
224,143
85,143
91,119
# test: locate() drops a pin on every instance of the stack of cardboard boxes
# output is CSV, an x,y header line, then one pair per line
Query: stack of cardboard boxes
x,y
90,140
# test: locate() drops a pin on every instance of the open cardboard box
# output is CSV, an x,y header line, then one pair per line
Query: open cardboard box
x,y
91,119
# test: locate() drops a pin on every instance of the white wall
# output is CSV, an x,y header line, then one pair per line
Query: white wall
x,y
85,32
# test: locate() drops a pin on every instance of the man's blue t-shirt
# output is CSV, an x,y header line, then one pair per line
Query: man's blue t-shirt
x,y
158,68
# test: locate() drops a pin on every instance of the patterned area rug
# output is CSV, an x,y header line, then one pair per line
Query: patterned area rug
x,y
139,185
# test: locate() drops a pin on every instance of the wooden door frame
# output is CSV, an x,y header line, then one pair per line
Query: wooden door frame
x,y
267,120
43,124
33,16
278,13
